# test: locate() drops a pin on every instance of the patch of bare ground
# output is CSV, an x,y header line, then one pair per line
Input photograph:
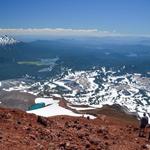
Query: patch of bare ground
x,y
19,130
16,99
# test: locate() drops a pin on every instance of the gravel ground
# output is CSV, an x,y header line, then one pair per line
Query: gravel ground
x,y
16,99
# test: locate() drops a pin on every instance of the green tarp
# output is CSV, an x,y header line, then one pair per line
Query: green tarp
x,y
37,106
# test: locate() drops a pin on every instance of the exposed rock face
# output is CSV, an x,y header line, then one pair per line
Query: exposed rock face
x,y
19,130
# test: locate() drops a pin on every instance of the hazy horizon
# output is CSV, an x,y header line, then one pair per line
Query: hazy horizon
x,y
75,18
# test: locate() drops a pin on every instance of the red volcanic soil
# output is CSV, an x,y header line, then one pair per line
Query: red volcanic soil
x,y
22,131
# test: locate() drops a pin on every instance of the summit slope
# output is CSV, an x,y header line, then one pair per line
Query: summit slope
x,y
20,130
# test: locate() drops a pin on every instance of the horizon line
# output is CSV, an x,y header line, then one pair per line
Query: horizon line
x,y
91,32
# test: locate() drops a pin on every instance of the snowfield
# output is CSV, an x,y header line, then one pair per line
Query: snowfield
x,y
94,88
53,109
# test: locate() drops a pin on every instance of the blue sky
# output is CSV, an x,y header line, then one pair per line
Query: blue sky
x,y
122,16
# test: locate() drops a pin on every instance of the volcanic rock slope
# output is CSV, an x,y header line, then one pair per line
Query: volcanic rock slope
x,y
117,131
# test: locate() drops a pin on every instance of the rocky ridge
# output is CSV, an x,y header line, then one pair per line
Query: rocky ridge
x,y
19,130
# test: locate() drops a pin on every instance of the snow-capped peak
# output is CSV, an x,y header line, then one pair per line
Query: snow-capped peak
x,y
6,40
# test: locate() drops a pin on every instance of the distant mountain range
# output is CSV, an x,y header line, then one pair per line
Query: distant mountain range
x,y
7,40
88,41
